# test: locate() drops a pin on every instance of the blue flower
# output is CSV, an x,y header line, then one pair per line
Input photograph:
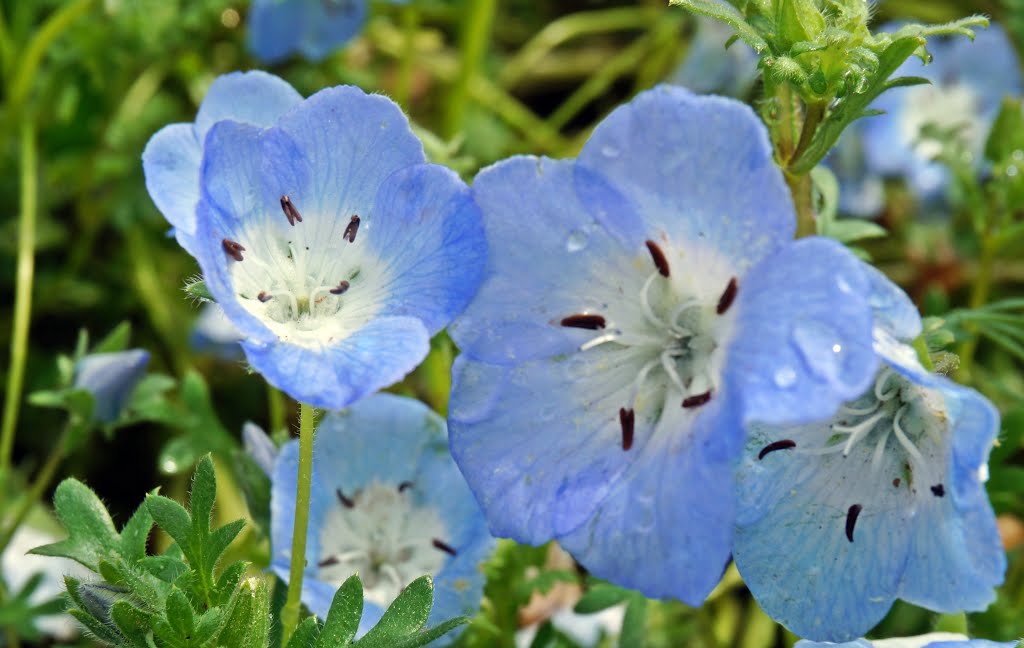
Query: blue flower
x,y
933,640
969,80
711,68
332,246
861,190
388,503
884,500
640,305
173,155
314,28
110,378
214,333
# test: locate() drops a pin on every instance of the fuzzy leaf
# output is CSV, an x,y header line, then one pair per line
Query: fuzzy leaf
x,y
406,615
343,617
91,533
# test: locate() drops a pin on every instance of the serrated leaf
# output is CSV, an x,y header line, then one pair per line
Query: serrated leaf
x,y
344,615
203,494
171,517
91,533
406,615
135,534
600,597
222,537
305,635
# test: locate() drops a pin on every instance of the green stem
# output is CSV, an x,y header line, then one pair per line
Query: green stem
x,y
476,31
979,297
275,409
151,289
23,293
784,127
803,201
290,612
42,481
410,27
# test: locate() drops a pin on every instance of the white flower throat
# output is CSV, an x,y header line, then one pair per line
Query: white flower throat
x,y
309,284
675,327
898,428
380,533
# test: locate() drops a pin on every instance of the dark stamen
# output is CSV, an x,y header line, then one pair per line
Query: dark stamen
x,y
233,249
341,288
327,562
896,482
289,210
938,490
627,418
345,501
725,301
784,444
698,400
660,262
851,520
351,229
590,322
264,297
404,486
445,547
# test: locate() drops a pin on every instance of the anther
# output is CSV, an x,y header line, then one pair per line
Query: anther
x,y
264,297
627,419
660,262
351,229
851,520
404,486
784,444
327,562
340,288
698,400
938,490
290,212
589,322
445,547
234,250
728,296
347,502
896,482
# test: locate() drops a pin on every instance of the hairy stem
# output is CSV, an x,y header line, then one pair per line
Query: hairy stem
x,y
290,612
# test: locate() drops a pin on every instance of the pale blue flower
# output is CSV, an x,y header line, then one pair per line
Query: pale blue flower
x,y
214,333
861,190
110,378
932,640
173,155
711,68
642,303
884,500
332,246
968,82
387,503
313,28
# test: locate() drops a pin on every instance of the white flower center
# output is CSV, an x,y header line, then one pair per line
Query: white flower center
x,y
946,106
308,286
381,534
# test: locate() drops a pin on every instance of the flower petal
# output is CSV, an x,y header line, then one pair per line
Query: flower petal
x,y
171,164
252,97
696,168
329,29
549,257
426,230
376,356
276,28
804,341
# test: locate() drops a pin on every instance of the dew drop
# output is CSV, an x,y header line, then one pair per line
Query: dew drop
x,y
577,240
610,151
785,377
843,285
817,344
1011,170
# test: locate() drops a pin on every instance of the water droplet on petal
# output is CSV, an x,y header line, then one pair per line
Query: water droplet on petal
x,y
577,240
610,151
843,285
785,377
817,344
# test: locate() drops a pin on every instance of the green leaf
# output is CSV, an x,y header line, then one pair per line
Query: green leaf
x,y
98,629
729,16
172,518
431,634
305,635
634,623
406,615
343,617
132,622
135,534
116,340
849,230
906,81
826,187
247,624
198,290
1007,134
91,533
180,615
600,597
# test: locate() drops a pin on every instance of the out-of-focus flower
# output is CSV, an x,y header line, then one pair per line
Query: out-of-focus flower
x,y
884,500
711,68
641,304
387,503
110,378
214,333
933,640
173,155
313,28
968,82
